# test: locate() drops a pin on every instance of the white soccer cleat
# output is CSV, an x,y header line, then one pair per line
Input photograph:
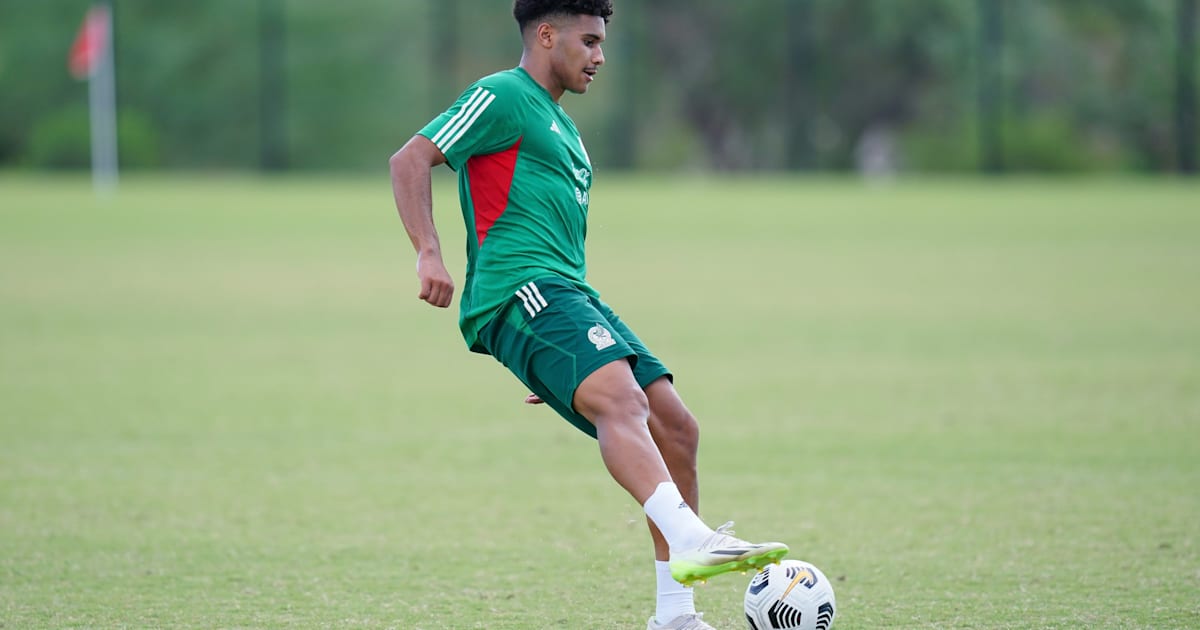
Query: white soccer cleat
x,y
722,553
690,621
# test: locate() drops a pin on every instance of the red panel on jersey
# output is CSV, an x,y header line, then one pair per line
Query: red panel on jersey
x,y
491,178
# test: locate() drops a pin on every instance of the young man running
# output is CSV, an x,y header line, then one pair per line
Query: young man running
x,y
524,178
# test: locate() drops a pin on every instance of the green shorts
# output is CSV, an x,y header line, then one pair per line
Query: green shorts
x,y
552,336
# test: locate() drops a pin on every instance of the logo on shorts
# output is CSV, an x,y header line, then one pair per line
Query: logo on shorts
x,y
600,336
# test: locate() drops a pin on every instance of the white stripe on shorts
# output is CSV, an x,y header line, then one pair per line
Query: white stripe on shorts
x,y
532,299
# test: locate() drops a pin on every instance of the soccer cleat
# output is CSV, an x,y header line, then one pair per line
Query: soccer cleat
x,y
691,621
722,553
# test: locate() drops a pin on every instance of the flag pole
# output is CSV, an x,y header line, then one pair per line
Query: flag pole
x,y
102,107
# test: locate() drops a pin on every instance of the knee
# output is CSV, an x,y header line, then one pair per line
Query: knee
x,y
681,429
632,406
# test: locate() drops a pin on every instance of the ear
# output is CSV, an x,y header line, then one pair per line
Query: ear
x,y
545,35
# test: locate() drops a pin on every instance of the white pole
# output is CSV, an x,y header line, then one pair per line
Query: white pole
x,y
102,104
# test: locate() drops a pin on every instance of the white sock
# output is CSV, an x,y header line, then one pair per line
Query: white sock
x,y
677,522
674,599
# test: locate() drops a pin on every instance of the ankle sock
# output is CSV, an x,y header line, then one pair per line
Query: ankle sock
x,y
677,522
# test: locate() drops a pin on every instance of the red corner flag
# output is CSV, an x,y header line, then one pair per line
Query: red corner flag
x,y
90,43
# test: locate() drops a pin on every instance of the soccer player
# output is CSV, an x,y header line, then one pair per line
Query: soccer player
x,y
524,178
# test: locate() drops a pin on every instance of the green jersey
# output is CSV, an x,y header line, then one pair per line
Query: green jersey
x,y
523,182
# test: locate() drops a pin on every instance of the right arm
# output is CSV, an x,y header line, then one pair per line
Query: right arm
x,y
411,169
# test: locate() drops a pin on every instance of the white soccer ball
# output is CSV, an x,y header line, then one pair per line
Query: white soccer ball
x,y
791,595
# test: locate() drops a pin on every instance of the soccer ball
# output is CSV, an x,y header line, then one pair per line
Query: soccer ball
x,y
791,595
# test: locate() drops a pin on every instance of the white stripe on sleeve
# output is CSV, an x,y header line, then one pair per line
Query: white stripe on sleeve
x,y
454,121
478,110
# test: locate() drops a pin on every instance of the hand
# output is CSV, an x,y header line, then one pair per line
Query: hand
x,y
437,287
534,399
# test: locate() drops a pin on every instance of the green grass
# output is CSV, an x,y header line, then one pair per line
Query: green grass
x,y
973,404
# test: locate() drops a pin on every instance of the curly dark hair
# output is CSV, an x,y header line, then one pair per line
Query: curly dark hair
x,y
528,11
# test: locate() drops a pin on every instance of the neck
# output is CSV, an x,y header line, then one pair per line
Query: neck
x,y
539,69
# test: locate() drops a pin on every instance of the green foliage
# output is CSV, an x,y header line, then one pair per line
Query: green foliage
x,y
138,144
1105,69
940,149
774,84
1042,143
62,140
193,68
34,38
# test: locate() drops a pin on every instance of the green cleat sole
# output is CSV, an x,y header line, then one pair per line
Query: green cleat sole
x,y
689,574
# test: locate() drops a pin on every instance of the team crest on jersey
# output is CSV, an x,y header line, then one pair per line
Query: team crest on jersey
x,y
600,337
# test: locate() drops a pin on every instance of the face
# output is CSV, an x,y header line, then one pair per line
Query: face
x,y
576,55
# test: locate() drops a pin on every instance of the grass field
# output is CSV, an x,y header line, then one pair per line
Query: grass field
x,y
973,404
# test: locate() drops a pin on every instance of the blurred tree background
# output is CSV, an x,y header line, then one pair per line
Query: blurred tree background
x,y
827,85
